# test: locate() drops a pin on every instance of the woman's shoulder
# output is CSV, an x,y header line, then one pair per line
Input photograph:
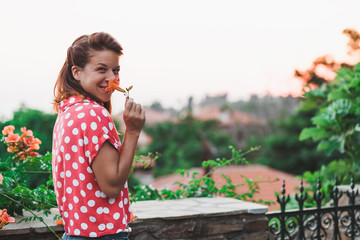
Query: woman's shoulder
x,y
85,109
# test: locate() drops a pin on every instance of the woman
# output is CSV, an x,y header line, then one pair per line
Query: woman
x,y
90,164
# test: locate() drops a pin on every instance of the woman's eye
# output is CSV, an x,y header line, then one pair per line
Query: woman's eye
x,y
116,71
101,69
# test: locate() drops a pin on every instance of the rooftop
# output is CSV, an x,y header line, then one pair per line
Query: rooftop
x,y
269,181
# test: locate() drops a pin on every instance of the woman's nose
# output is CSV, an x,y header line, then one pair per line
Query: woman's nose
x,y
110,75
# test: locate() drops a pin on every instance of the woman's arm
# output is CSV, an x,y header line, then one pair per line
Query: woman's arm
x,y
112,168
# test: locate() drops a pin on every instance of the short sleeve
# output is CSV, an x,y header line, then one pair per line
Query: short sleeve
x,y
99,128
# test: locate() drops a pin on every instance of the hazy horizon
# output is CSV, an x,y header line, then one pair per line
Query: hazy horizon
x,y
172,49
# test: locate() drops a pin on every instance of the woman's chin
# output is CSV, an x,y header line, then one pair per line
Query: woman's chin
x,y
106,99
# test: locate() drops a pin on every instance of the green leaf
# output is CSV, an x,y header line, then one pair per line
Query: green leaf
x,y
336,94
323,119
312,132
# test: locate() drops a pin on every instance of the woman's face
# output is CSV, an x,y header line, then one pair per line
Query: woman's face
x,y
95,76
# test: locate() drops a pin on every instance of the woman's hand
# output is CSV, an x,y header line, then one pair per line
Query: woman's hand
x,y
134,117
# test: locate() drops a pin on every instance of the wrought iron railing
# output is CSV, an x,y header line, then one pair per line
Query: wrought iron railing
x,y
333,222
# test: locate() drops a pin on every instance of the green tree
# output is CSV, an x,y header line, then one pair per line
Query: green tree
x,y
282,148
336,125
181,144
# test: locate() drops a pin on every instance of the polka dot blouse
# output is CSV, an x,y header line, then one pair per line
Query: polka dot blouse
x,y
82,126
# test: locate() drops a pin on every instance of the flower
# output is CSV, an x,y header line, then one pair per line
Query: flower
x,y
10,149
114,85
132,217
31,141
26,133
21,146
59,222
12,138
1,178
5,218
8,129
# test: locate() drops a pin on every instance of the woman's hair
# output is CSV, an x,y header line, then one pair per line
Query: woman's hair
x,y
78,54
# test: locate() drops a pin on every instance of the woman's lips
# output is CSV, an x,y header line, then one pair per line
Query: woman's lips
x,y
103,88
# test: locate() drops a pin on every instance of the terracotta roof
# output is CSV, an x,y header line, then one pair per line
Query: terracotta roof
x,y
271,181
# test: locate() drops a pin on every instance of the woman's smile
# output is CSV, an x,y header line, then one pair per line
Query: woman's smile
x,y
94,77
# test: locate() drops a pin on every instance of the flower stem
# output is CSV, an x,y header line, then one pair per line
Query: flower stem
x,y
36,216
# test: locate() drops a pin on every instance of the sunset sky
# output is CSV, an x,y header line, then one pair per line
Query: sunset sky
x,y
172,49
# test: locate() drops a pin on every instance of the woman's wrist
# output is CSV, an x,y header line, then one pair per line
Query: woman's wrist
x,y
132,133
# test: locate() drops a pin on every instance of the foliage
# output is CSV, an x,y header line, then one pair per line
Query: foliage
x,y
15,194
16,170
282,149
42,126
181,144
204,186
336,125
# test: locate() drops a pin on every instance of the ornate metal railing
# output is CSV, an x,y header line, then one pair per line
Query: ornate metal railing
x,y
333,222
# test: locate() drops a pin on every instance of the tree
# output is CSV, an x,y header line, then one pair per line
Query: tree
x,y
336,125
180,144
282,148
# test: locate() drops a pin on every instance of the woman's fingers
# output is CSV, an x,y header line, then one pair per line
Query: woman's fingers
x,y
131,106
137,108
134,116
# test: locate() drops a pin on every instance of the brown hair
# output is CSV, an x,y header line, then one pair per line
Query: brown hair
x,y
78,54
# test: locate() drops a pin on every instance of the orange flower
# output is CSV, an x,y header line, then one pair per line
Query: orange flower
x,y
12,138
33,147
59,222
5,218
132,217
8,129
36,141
10,149
30,141
1,178
26,133
33,154
114,85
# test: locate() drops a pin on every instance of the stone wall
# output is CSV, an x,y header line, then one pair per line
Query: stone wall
x,y
195,218
240,226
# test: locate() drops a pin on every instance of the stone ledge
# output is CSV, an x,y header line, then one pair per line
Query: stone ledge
x,y
187,207
190,218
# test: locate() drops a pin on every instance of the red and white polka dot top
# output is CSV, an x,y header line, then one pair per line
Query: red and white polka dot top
x,y
82,126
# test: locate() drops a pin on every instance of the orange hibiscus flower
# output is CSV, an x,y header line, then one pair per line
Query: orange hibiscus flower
x,y
8,129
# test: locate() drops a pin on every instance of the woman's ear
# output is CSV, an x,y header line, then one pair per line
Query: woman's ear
x,y
76,72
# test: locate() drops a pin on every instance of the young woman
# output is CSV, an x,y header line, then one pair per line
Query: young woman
x,y
90,164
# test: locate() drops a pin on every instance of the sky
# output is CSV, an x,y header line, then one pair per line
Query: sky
x,y
173,50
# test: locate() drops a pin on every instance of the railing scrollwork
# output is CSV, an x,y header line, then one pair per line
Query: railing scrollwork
x,y
319,223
